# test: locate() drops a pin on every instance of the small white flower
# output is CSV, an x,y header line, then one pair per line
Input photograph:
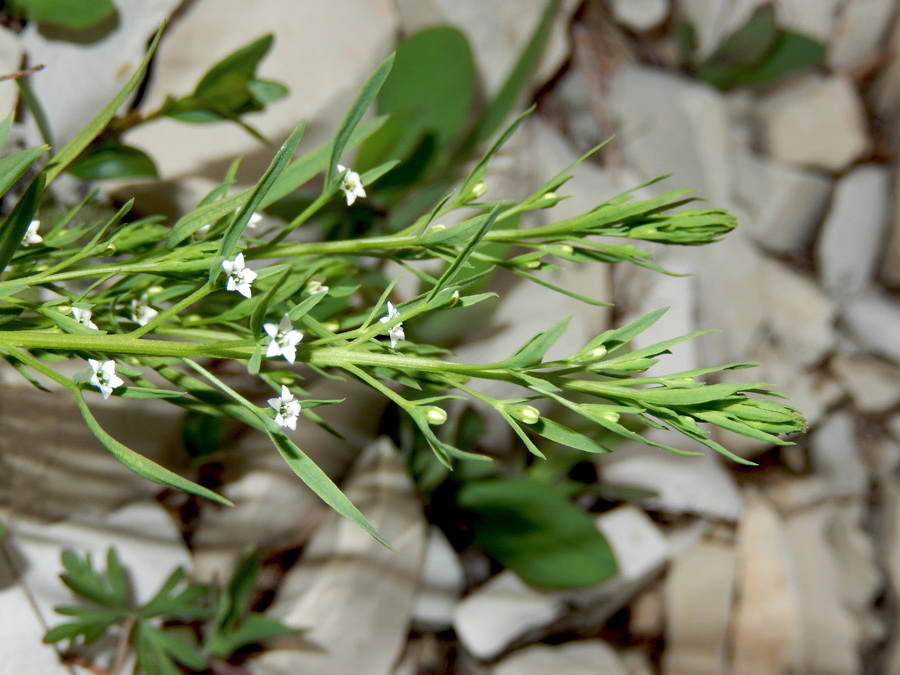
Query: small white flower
x,y
104,376
141,312
395,332
255,219
202,231
83,316
351,185
284,339
239,277
287,409
316,286
31,236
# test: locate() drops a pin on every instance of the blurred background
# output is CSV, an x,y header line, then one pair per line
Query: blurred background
x,y
782,111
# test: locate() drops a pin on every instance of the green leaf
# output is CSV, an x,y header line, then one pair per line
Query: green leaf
x,y
354,115
141,465
254,629
16,223
533,351
751,42
430,89
230,88
112,160
76,14
565,436
532,529
233,234
118,583
82,139
14,166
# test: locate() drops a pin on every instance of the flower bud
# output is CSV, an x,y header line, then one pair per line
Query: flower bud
x,y
435,415
527,414
331,326
563,249
478,190
437,228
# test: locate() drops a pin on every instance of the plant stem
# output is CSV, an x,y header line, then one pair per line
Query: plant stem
x,y
122,648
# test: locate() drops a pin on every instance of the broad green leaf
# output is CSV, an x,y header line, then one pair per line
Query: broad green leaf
x,y
82,139
532,529
430,88
113,160
77,14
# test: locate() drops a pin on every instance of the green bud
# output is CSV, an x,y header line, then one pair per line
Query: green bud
x,y
478,190
563,249
527,414
332,326
597,352
437,228
435,415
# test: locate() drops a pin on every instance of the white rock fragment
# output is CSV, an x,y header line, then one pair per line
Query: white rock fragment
x,y
799,315
356,35
669,123
699,594
10,61
784,204
495,614
874,320
82,76
640,16
639,546
851,240
854,553
830,633
871,383
889,535
890,265
766,637
858,31
583,656
835,453
441,585
696,485
352,594
815,121
812,18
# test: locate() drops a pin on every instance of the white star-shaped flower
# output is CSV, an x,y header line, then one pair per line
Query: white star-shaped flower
x,y
255,219
284,339
141,312
83,316
239,277
351,185
104,376
395,332
31,234
287,409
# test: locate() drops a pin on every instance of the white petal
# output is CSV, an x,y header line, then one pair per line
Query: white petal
x,y
270,329
289,352
244,289
275,403
274,349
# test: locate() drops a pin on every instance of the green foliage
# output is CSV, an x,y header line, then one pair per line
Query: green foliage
x,y
759,53
76,14
533,529
161,632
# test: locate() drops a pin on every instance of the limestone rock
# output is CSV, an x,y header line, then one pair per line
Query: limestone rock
x,y
353,595
799,315
354,34
812,18
784,204
699,590
640,16
890,266
669,123
583,656
850,243
871,383
830,633
858,31
766,634
835,454
495,614
697,485
82,76
441,585
10,61
817,121
874,320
